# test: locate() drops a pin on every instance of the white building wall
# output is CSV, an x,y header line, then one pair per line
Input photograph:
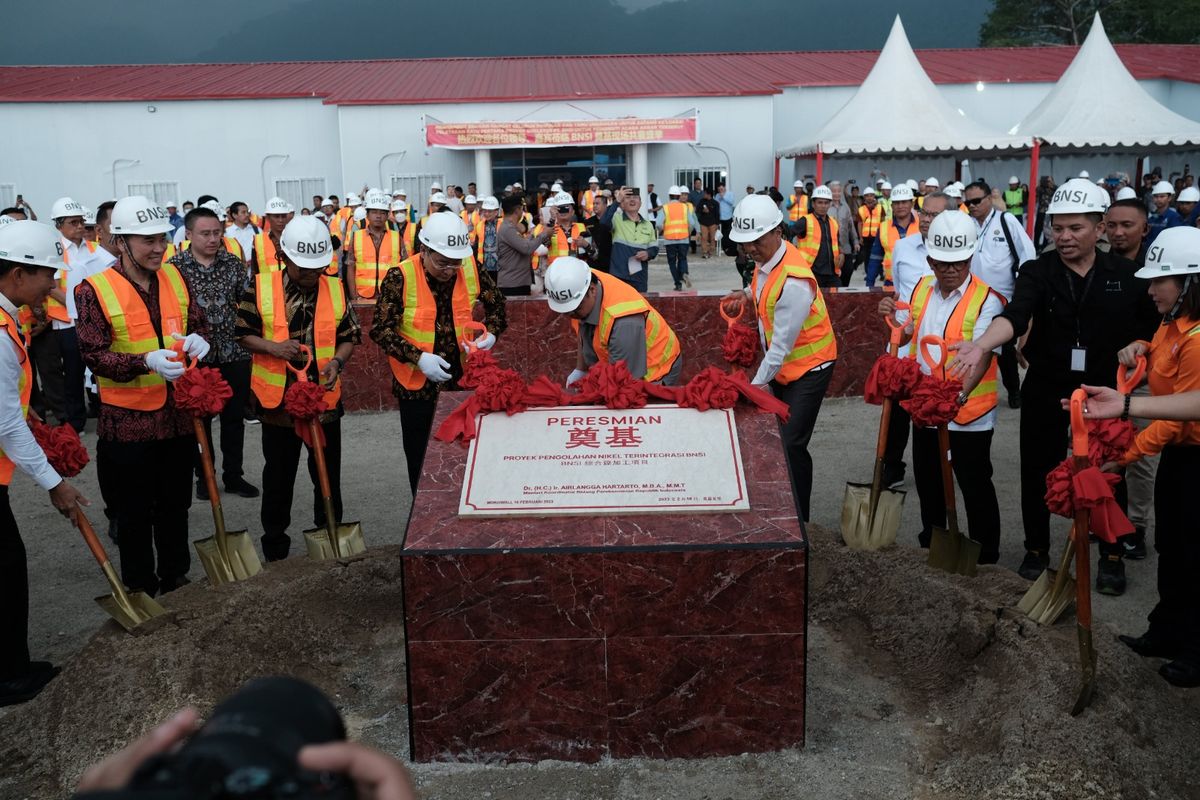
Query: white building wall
x,y
208,147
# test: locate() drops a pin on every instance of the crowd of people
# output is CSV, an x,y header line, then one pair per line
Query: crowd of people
x,y
99,307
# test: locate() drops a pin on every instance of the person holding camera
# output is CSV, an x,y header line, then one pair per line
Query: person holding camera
x,y
635,239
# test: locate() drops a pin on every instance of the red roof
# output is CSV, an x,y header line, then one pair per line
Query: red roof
x,y
456,80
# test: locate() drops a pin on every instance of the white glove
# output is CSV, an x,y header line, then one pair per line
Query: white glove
x,y
485,342
163,362
436,368
576,375
193,345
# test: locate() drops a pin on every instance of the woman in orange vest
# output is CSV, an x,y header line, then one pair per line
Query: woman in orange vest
x,y
282,310
133,317
956,306
420,319
794,329
614,322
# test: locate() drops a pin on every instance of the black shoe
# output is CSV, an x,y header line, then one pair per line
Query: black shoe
x,y
1149,646
1110,577
201,490
1134,544
1014,399
989,558
26,687
923,538
1034,564
172,585
893,475
241,488
1184,674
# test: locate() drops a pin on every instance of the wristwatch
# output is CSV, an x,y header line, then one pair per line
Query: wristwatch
x,y
340,364
962,398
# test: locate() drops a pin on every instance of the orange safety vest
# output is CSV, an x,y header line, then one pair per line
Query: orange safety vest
x,y
24,385
134,333
266,257
810,245
871,219
478,235
54,309
558,246
815,343
798,208
960,328
675,220
887,240
619,299
268,374
371,263
469,218
419,317
588,203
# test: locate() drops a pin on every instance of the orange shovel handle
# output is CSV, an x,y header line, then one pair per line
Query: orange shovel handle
x,y
897,327
1125,384
301,373
468,341
729,317
1079,434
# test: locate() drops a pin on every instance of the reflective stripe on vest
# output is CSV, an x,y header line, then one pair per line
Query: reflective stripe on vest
x,y
24,386
797,209
133,332
54,309
888,236
418,319
960,327
810,245
558,246
871,219
815,343
675,220
371,263
622,300
1014,200
268,374
480,232
266,258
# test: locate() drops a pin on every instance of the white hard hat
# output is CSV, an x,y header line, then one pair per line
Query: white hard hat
x,y
276,205
399,205
170,204
561,199
566,282
435,187
1127,193
798,185
306,241
822,193
593,179
869,190
1189,194
138,215
555,187
447,234
885,186
352,199
958,185
1175,251
360,213
953,191
673,191
377,201
516,185
437,197
65,207
34,244
1078,196
324,201
215,207
320,215
400,192
931,181
754,216
1014,179
470,200
911,184
89,216
901,193
508,188
952,237
1163,187
5,219
489,203
1083,173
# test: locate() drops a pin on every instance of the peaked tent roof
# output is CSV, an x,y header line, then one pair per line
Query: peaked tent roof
x,y
917,119
1097,103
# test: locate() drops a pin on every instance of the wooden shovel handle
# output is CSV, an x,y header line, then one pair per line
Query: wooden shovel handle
x,y
206,461
93,542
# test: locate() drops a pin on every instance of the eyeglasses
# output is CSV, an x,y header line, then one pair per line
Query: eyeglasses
x,y
565,209
951,266
923,214
975,202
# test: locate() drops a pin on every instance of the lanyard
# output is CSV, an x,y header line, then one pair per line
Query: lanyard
x,y
1077,301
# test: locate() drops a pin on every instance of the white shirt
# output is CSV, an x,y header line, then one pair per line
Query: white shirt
x,y
15,437
179,236
993,262
791,310
244,236
910,263
933,323
83,263
455,205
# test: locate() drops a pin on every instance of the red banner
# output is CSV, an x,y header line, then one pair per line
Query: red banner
x,y
632,130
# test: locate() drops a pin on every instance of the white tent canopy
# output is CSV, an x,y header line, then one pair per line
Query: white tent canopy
x,y
899,110
1097,103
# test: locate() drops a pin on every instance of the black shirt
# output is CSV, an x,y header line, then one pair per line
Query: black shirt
x,y
1109,311
602,242
708,212
823,262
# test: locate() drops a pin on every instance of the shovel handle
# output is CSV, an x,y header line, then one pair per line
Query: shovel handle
x,y
301,373
468,341
896,327
730,317
1125,384
318,450
93,542
1079,433
935,363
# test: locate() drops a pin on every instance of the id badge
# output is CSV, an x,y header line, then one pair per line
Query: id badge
x,y
1078,359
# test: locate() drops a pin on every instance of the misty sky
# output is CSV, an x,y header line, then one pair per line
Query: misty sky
x,y
189,31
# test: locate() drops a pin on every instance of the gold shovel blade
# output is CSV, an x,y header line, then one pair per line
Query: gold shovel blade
x,y
131,610
1042,603
859,531
350,542
953,553
243,559
1087,686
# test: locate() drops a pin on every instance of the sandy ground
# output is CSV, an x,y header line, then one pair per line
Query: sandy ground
x,y
920,685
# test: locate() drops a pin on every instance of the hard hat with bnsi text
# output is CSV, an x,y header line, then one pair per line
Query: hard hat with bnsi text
x,y
377,201
277,205
1175,251
65,207
447,234
566,282
33,244
1078,196
822,193
138,215
305,240
952,237
754,216
901,193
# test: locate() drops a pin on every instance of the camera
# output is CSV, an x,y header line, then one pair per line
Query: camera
x,y
247,750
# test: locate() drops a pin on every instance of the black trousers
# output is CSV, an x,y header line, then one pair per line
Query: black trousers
x,y
516,291
803,397
14,594
1010,374
1176,617
827,280
149,486
971,459
233,422
47,361
281,456
416,424
727,246
897,437
72,362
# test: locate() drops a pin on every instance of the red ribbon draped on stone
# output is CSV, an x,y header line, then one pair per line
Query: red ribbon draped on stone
x,y
891,378
304,401
933,402
610,385
1108,439
740,345
62,446
202,392
1091,489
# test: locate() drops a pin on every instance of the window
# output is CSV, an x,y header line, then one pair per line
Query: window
x,y
417,187
8,195
709,176
161,192
299,191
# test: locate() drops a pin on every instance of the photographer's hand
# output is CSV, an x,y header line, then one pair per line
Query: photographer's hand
x,y
376,775
115,771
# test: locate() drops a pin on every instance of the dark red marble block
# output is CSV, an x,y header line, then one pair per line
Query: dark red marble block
x,y
541,342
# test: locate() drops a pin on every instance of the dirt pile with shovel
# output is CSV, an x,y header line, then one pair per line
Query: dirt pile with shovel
x,y
977,694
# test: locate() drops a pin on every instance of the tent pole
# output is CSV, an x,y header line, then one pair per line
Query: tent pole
x,y
1137,181
776,182
1031,209
820,166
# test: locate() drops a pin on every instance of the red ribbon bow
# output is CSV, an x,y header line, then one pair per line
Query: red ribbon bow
x,y
933,402
891,378
1091,489
202,392
62,446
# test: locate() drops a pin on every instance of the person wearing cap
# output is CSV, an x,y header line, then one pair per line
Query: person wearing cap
x,y
243,230
279,312
134,319
1079,307
420,321
568,236
587,200
955,305
902,222
515,252
176,219
797,201
676,223
373,250
1173,361
871,218
1162,216
817,237
1188,205
614,323
635,239
1016,197
885,197
799,348
30,254
217,279
267,256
